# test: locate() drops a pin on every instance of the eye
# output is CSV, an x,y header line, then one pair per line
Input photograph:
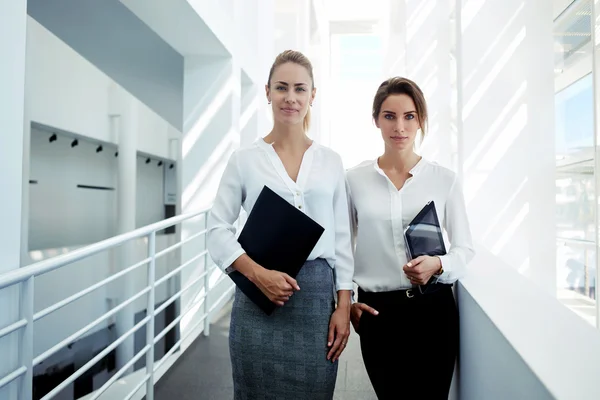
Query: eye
x,y
281,88
388,116
410,116
300,89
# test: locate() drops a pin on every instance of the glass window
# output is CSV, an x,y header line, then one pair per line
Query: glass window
x,y
575,174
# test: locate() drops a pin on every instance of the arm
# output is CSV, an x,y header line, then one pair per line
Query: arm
x,y
339,325
344,259
456,224
222,243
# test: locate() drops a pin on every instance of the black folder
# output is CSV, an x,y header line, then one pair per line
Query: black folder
x,y
277,236
424,237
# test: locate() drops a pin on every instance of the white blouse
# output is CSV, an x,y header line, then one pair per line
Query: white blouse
x,y
380,213
319,191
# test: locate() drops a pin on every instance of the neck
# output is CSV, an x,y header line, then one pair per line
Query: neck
x,y
401,161
286,137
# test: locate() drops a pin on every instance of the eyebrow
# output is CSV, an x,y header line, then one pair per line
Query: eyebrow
x,y
287,84
391,112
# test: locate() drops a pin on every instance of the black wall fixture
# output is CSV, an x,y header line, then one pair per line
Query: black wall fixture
x,y
147,161
99,149
52,138
160,163
74,143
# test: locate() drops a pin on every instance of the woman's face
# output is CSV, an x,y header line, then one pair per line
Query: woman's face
x,y
398,122
290,92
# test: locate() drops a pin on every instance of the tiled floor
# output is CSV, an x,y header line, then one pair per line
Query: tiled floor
x,y
204,371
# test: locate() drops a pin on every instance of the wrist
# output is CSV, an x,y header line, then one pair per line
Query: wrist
x,y
439,268
256,273
344,299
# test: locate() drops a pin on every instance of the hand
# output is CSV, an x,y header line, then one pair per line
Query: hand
x,y
421,269
339,331
356,313
277,286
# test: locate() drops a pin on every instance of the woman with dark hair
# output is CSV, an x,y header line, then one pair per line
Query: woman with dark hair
x,y
408,338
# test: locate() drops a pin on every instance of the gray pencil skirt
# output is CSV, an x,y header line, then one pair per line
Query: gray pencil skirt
x,y
284,355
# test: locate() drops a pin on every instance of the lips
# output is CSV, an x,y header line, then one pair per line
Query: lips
x,y
398,138
289,110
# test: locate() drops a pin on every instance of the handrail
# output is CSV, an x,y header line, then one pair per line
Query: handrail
x,y
25,323
45,266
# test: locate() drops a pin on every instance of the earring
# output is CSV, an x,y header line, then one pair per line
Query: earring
x,y
269,102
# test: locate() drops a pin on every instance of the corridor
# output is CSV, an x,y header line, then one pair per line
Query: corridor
x,y
204,370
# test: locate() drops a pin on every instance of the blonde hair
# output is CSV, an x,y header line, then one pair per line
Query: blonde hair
x,y
399,85
292,56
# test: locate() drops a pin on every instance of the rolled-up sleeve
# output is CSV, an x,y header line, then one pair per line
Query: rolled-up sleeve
x,y
456,224
344,259
222,243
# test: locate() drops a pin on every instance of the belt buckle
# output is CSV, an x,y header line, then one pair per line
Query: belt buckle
x,y
409,294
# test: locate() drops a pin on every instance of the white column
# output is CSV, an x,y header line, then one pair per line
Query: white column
x,y
393,25
507,141
596,76
127,127
13,20
427,36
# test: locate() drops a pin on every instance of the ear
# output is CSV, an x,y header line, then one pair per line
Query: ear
x,y
376,122
268,92
312,97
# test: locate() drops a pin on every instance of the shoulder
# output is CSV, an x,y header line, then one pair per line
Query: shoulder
x,y
245,152
327,153
439,173
360,170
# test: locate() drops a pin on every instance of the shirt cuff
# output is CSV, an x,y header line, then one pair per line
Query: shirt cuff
x,y
344,286
445,261
227,265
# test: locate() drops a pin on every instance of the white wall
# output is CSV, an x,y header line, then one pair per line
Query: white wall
x,y
66,92
519,342
508,118
12,81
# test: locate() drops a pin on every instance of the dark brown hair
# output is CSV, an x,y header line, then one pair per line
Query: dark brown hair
x,y
292,56
399,85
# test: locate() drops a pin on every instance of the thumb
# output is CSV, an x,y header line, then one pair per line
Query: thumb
x,y
368,309
291,281
416,261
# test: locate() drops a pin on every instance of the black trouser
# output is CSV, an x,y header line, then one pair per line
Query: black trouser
x,y
410,348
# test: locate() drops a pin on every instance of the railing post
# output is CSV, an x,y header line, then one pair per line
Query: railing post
x,y
150,313
206,330
26,356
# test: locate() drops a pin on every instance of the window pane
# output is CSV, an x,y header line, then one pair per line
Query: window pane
x,y
575,205
576,277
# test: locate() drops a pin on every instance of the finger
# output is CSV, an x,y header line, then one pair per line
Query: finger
x,y
291,281
334,349
282,298
283,293
369,309
343,344
330,335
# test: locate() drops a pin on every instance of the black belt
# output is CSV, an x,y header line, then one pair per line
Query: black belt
x,y
403,294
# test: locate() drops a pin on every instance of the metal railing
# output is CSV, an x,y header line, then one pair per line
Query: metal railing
x,y
26,278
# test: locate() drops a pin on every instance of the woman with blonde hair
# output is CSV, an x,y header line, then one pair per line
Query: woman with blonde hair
x,y
291,354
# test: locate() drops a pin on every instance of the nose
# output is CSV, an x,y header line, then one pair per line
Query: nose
x,y
400,125
290,98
